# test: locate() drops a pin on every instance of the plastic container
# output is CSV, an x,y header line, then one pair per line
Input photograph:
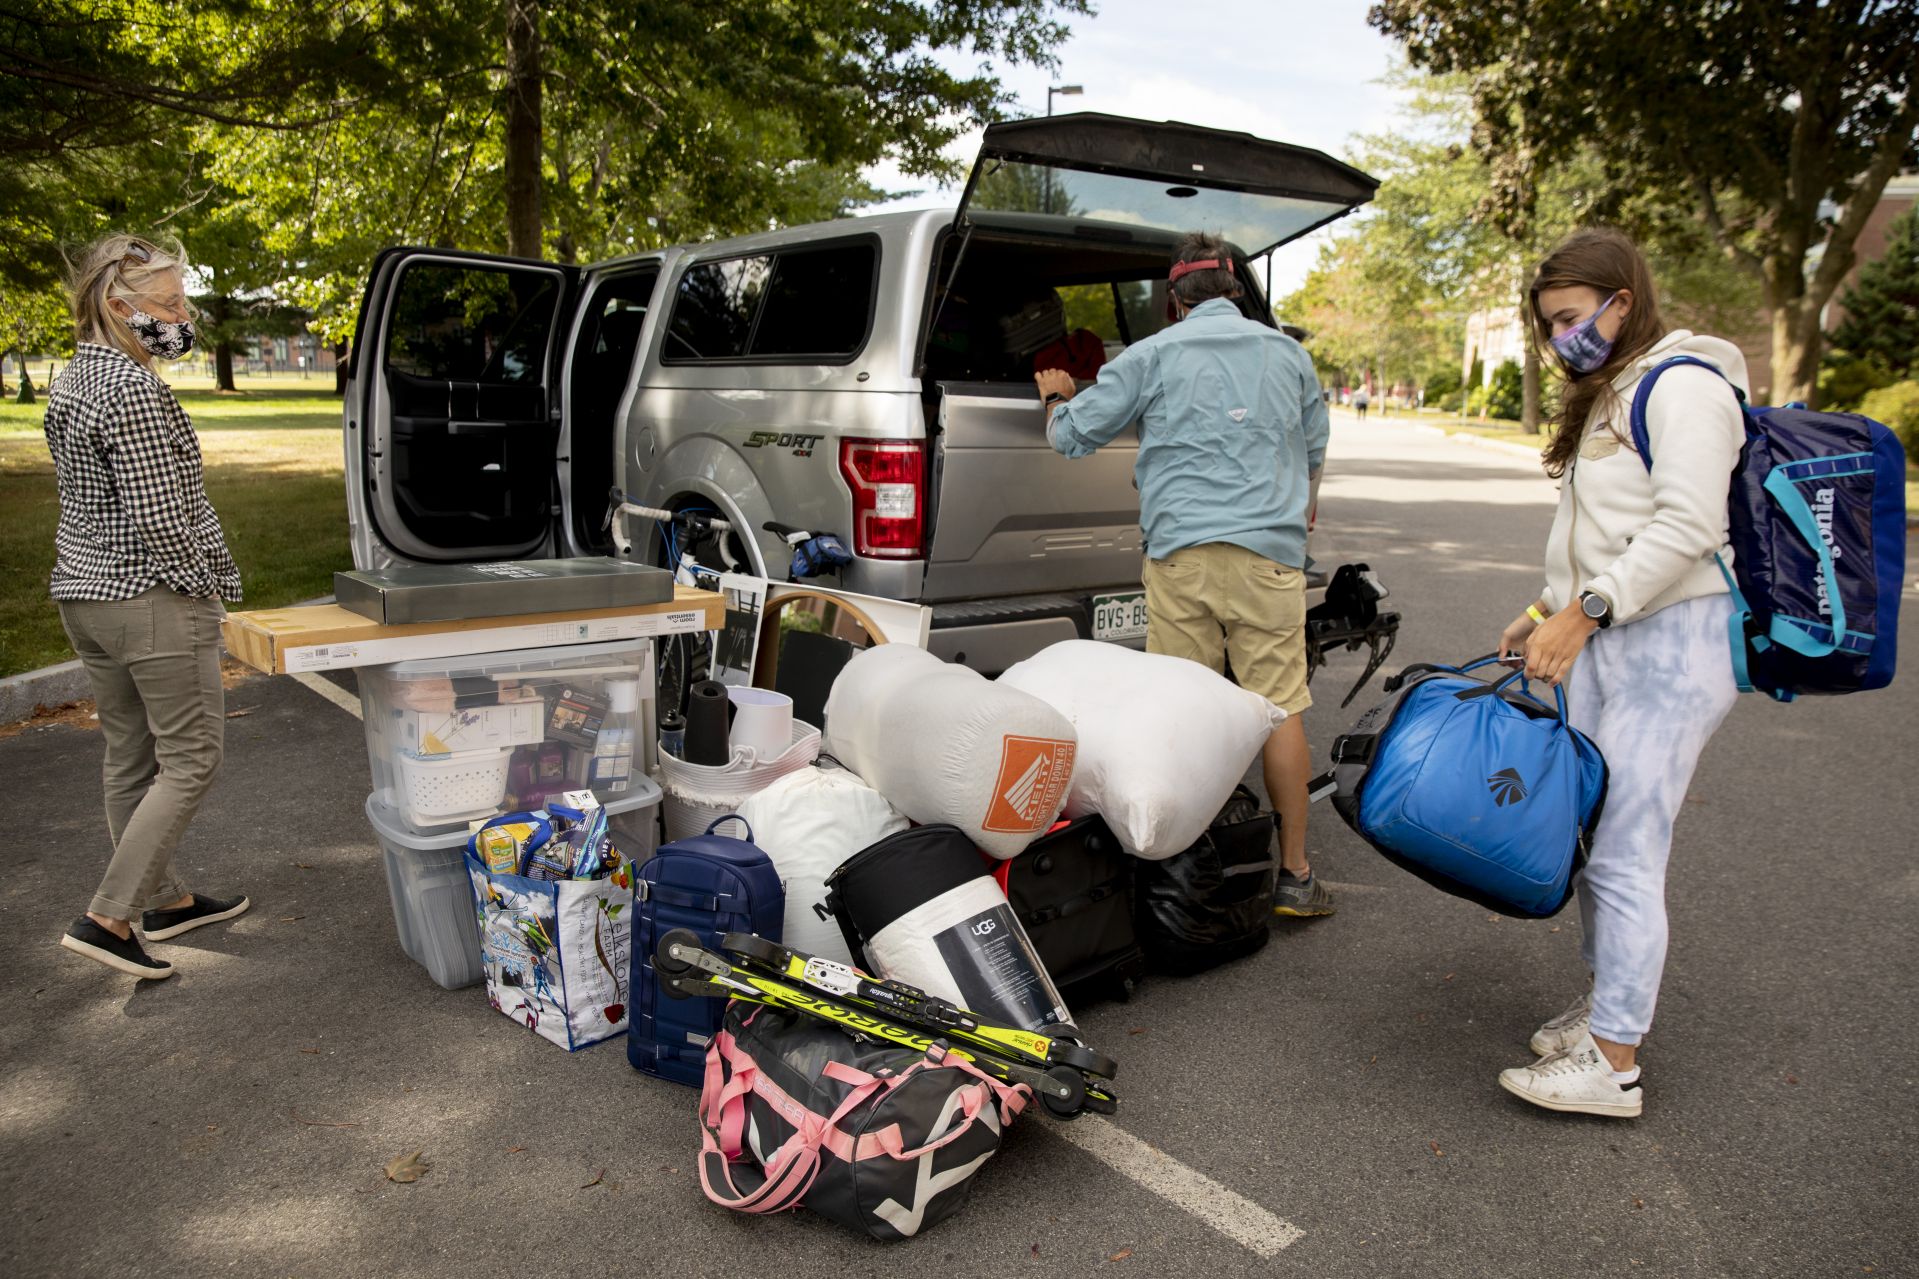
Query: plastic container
x,y
433,909
615,752
470,701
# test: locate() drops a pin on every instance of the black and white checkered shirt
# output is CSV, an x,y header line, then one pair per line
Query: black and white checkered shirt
x,y
133,510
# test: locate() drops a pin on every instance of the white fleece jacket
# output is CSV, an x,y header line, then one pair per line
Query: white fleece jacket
x,y
1644,541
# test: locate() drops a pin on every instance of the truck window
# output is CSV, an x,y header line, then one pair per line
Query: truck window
x,y
471,324
713,312
801,304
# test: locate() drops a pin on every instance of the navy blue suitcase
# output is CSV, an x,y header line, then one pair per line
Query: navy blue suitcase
x,y
711,884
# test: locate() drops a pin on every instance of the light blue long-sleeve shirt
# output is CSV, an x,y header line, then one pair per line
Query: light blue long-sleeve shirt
x,y
1231,424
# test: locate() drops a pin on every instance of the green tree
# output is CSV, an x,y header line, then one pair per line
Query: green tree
x,y
1881,322
33,322
1777,121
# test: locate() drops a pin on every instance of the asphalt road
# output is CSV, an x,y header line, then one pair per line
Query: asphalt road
x,y
236,1119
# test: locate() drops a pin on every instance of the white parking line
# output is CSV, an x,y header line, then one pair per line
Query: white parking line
x,y
1232,1214
332,692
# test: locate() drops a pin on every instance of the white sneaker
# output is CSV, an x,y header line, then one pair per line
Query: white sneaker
x,y
1578,1081
1565,1030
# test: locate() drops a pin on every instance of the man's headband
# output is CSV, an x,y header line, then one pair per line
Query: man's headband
x,y
1204,264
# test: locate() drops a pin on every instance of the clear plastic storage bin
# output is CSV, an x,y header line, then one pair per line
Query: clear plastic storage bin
x,y
454,738
433,908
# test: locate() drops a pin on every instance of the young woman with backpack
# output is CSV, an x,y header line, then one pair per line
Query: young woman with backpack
x,y
1633,621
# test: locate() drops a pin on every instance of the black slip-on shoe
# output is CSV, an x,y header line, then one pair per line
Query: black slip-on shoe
x,y
159,925
1300,898
123,953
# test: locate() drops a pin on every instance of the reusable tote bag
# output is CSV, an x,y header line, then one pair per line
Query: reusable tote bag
x,y
557,955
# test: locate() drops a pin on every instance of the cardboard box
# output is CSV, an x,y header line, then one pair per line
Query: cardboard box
x,y
327,637
411,593
472,729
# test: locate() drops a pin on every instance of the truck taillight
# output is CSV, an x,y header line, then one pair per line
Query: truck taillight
x,y
888,480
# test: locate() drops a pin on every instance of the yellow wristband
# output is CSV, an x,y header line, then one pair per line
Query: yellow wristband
x,y
1532,611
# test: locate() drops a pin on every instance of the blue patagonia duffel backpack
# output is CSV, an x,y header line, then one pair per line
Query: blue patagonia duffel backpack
x,y
711,884
1480,789
1817,519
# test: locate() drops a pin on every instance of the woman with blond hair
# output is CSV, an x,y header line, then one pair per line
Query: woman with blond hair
x,y
139,574
1633,621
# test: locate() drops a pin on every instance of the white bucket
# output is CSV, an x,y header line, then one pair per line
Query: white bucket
x,y
762,721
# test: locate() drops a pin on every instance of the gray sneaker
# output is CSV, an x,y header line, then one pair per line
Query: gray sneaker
x,y
1300,898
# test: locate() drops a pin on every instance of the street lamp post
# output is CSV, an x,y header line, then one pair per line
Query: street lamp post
x,y
1064,91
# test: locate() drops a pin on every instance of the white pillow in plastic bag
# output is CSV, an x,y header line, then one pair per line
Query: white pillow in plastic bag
x,y
946,744
1162,740
809,822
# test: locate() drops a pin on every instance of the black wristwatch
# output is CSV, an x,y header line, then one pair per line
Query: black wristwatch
x,y
1594,605
1051,400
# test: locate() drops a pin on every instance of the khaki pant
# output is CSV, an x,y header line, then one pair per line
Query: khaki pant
x,y
1208,603
154,663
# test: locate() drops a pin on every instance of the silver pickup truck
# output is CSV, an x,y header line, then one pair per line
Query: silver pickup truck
x,y
870,377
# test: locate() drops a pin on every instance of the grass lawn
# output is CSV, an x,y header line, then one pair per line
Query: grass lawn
x,y
274,473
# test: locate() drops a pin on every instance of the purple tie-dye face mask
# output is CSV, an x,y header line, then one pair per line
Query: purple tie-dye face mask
x,y
1581,348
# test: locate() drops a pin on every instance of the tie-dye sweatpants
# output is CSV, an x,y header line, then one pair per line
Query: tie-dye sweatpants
x,y
1649,693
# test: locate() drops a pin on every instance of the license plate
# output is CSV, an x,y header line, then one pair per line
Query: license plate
x,y
1119,617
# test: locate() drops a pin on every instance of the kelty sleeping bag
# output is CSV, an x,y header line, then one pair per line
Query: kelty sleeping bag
x,y
1479,789
945,744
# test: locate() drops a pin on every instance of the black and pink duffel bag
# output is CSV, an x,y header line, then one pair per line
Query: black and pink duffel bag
x,y
885,1140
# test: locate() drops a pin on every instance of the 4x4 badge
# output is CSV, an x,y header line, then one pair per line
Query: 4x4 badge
x,y
1507,786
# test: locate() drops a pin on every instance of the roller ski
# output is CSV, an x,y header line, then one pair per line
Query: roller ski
x,y
1063,1073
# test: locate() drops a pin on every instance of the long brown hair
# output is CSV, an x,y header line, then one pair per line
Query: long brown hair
x,y
1607,260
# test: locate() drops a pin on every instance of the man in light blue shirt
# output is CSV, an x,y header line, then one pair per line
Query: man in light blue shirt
x,y
1232,428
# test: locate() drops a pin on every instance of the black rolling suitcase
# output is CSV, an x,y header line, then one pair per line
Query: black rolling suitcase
x,y
1070,889
1214,902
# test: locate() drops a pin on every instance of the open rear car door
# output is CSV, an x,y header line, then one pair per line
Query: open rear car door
x,y
452,412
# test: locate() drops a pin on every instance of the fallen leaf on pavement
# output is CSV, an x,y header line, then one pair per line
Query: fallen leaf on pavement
x,y
1137,1030
1034,1251
514,1150
303,865
1370,1060
408,1167
314,1051
213,1127
599,1178
1553,929
1121,1255
321,1123
1437,1152
1639,1203
1792,1079
289,919
1449,976
244,710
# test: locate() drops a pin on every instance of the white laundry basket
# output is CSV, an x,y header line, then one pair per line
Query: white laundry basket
x,y
697,795
442,789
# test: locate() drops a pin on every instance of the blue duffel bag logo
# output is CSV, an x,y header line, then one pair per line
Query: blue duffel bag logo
x,y
1506,786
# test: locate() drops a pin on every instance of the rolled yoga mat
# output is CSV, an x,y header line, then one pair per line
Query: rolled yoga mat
x,y
707,724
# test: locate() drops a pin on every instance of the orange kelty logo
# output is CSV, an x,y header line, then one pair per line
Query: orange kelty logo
x,y
1033,773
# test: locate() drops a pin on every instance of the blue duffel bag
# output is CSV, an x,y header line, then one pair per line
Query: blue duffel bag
x,y
1482,790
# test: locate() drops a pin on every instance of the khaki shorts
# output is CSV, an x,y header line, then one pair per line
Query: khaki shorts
x,y
1208,603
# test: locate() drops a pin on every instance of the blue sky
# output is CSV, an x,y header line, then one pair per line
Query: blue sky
x,y
1295,71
